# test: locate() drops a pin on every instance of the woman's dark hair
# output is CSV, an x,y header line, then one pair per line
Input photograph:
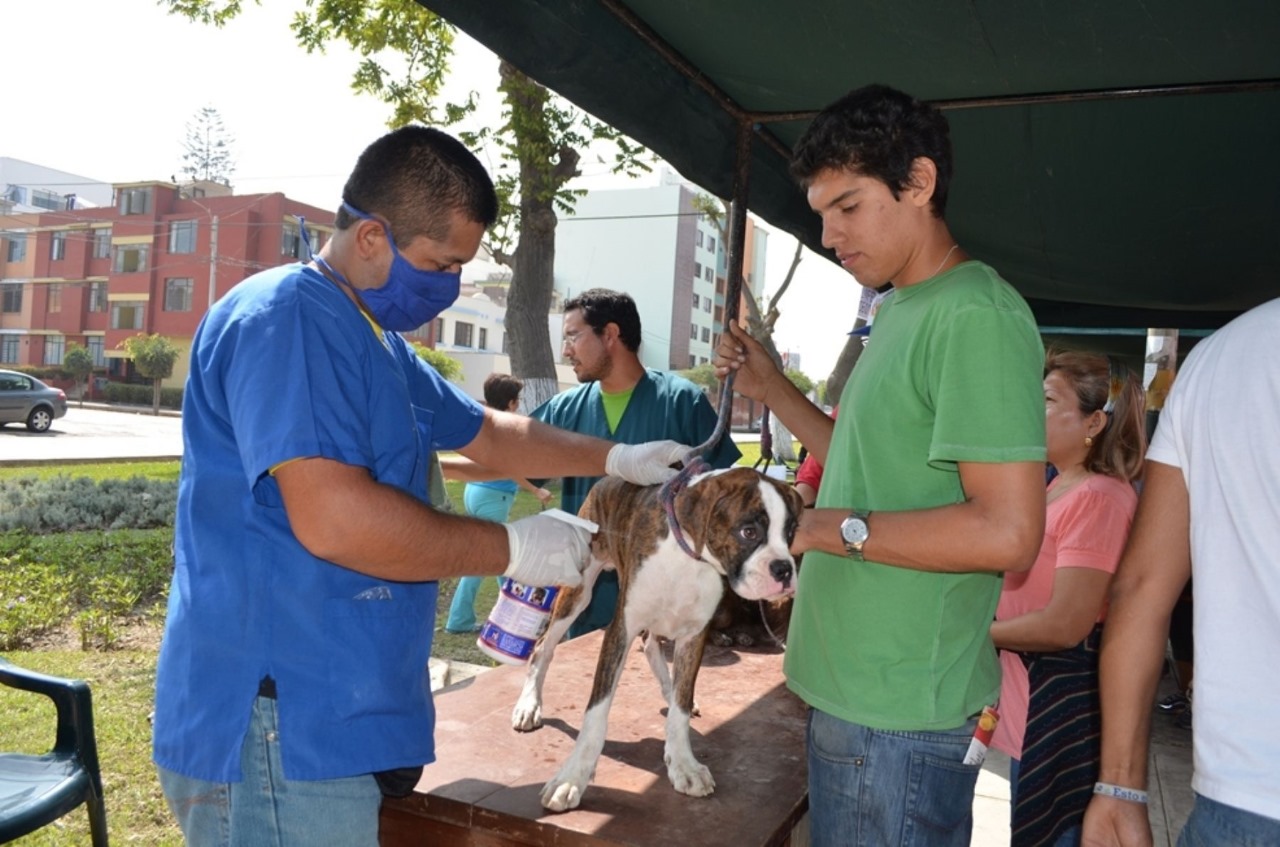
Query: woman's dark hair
x,y
1103,383
603,306
500,390
415,177
877,131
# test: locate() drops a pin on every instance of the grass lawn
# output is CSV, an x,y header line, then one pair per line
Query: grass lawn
x,y
122,681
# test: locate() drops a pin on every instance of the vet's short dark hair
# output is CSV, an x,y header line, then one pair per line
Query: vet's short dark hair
x,y
500,390
603,306
877,131
414,177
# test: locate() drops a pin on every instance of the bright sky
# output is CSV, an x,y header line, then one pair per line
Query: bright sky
x,y
106,90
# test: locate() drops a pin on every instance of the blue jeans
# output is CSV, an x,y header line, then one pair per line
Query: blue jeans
x,y
1212,823
870,787
1069,838
266,810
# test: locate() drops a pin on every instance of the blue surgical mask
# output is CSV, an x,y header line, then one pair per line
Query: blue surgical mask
x,y
410,297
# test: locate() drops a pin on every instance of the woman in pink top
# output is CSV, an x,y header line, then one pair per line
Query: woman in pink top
x,y
1048,620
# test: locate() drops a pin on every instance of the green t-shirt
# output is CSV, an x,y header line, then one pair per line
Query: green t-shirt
x,y
952,373
615,405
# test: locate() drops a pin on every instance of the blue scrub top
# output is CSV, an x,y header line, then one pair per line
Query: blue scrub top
x,y
283,367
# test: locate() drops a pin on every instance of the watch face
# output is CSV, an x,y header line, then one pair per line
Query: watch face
x,y
853,530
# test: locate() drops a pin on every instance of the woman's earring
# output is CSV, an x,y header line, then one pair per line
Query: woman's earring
x,y
1088,441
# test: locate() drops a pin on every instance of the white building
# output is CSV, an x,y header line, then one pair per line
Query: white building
x,y
652,244
27,187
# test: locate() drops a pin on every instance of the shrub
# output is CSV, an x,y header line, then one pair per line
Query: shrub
x,y
70,504
141,395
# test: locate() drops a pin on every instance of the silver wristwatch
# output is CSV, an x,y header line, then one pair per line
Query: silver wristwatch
x,y
854,532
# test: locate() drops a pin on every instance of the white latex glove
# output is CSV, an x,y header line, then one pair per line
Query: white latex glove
x,y
644,464
546,551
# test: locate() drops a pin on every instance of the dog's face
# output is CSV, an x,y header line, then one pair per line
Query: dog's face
x,y
743,524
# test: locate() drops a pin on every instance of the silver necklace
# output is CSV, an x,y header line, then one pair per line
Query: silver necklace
x,y
943,262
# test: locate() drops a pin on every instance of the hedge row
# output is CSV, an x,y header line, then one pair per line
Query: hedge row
x,y
142,395
74,504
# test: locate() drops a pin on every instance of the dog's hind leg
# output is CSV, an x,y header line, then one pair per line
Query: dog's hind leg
x,y
565,790
527,714
687,774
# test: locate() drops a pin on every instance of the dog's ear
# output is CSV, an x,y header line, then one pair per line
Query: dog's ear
x,y
695,509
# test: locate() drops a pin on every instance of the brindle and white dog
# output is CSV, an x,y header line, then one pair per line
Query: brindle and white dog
x,y
739,525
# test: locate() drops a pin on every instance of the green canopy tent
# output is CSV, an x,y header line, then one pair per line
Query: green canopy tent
x,y
1116,159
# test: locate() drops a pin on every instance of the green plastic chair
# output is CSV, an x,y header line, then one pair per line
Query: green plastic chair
x,y
37,790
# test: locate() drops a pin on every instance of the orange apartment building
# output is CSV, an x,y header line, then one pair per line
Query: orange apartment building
x,y
152,263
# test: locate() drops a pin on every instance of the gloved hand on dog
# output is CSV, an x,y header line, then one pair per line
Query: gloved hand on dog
x,y
546,551
645,464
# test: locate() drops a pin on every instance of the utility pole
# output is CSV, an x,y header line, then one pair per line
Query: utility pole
x,y
213,262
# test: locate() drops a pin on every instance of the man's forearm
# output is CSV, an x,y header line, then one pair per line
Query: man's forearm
x,y
513,445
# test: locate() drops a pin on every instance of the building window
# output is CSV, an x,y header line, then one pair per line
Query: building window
x,y
697,238
12,299
484,338
53,303
17,246
706,334
719,314
134,201
102,243
693,331
706,305
696,301
291,241
316,237
177,294
127,314
462,334
47,200
709,273
693,361
16,194
55,346
95,347
182,237
9,349
439,329
130,258
58,247
711,244
97,297
697,270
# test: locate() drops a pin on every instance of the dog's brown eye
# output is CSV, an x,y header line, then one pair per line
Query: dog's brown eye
x,y
750,532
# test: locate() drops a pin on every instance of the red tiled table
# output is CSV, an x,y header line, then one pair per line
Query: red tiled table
x,y
483,789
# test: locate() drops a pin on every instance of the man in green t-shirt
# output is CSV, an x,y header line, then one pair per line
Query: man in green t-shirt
x,y
933,485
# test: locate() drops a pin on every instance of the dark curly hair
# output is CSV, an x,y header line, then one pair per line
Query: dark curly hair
x,y
500,390
877,131
413,177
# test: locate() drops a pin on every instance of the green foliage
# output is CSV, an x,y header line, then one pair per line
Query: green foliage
x,y
703,376
207,149
71,504
97,470
99,580
447,366
41,372
78,362
141,395
800,381
153,355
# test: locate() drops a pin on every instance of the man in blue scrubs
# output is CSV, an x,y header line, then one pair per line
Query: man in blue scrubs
x,y
300,620
622,400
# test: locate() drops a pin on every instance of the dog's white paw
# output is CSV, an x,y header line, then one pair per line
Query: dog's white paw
x,y
527,715
562,794
691,778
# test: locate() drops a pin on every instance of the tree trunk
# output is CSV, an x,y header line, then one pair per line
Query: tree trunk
x,y
155,396
543,170
844,366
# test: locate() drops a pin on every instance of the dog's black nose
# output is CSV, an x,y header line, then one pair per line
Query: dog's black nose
x,y
781,571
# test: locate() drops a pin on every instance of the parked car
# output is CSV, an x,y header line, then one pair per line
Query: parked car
x,y
25,399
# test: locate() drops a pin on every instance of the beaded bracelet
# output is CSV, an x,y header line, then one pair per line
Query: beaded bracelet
x,y
1119,792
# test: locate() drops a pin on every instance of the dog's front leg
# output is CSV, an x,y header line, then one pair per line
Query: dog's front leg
x,y
687,774
527,714
564,792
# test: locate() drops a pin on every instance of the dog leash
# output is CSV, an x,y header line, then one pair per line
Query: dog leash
x,y
693,465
